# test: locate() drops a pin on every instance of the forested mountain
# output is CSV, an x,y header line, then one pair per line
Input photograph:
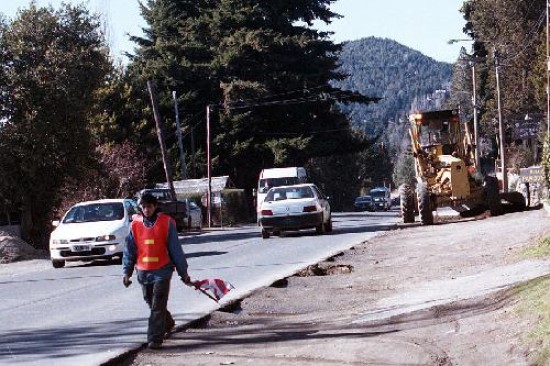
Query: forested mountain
x,y
401,76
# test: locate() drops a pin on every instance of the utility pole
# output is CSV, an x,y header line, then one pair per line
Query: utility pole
x,y
193,163
501,127
160,135
209,197
180,138
473,60
476,128
547,71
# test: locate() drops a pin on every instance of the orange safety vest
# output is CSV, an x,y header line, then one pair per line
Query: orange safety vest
x,y
151,243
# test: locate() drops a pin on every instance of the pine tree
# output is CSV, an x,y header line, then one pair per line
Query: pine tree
x,y
266,69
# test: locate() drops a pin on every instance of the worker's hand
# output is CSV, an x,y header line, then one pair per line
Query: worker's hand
x,y
186,279
126,281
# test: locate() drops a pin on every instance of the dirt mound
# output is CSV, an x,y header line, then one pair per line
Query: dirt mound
x,y
13,249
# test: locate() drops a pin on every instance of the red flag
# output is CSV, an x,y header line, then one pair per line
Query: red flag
x,y
215,288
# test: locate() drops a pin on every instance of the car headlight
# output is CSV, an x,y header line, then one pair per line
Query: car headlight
x,y
60,241
105,237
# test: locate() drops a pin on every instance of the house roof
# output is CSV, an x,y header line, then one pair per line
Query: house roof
x,y
190,186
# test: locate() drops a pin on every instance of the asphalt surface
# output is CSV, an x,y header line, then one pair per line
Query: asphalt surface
x,y
82,315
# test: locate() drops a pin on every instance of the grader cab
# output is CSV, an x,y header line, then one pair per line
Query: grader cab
x,y
445,169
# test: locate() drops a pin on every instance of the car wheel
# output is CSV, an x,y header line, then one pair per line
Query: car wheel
x,y
58,263
320,229
328,225
265,234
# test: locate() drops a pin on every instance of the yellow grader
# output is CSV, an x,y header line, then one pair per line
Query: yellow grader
x,y
446,174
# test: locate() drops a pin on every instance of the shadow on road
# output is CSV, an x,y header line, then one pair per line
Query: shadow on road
x,y
203,254
55,343
221,236
271,332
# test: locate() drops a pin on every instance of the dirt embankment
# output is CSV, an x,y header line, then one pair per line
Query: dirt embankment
x,y
13,249
313,318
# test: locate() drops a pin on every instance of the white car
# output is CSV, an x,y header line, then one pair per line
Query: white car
x,y
295,207
92,230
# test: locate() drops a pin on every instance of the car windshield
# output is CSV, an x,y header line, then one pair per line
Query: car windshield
x,y
95,212
366,198
265,184
279,194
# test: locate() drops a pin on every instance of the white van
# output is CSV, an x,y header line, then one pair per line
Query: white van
x,y
381,197
276,177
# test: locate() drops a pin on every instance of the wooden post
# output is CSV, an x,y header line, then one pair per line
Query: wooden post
x,y
160,135
208,173
180,138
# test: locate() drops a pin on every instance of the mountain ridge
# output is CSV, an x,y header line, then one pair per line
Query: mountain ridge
x,y
404,78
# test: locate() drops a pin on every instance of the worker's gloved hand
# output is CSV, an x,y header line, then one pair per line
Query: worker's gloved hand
x,y
126,281
186,279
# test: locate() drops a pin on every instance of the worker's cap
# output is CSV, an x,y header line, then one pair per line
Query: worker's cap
x,y
148,199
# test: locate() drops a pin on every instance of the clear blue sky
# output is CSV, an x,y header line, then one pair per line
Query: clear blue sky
x,y
424,25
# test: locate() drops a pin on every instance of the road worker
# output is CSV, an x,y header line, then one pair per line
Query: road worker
x,y
153,248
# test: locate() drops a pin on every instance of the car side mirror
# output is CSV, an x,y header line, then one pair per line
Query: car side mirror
x,y
55,223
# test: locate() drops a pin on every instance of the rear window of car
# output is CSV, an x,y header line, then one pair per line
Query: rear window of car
x,y
278,194
111,211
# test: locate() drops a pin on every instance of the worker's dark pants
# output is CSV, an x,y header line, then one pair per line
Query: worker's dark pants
x,y
160,319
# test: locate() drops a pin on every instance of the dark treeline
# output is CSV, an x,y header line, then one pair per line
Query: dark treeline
x,y
76,127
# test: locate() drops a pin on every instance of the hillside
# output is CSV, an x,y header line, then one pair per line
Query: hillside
x,y
400,75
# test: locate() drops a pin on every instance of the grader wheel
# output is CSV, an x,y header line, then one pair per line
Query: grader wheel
x,y
406,198
424,204
492,196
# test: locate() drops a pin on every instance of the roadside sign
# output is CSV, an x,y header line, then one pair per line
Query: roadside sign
x,y
532,174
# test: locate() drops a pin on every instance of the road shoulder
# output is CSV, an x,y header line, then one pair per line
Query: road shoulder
x,y
313,319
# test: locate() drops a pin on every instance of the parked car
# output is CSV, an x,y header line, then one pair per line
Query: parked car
x,y
364,203
194,215
169,204
295,207
92,230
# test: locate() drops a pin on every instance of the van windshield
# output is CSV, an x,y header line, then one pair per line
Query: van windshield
x,y
378,194
265,184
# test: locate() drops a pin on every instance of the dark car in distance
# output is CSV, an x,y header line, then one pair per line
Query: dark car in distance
x,y
364,203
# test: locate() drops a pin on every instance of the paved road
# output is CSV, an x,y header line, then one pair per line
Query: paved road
x,y
82,315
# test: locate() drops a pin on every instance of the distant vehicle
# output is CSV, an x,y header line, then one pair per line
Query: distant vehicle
x,y
92,230
364,203
295,207
381,197
194,214
276,177
169,204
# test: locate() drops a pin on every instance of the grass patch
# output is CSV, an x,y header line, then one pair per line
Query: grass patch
x,y
540,250
535,304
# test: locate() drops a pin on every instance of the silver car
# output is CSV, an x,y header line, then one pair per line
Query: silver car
x,y
296,207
